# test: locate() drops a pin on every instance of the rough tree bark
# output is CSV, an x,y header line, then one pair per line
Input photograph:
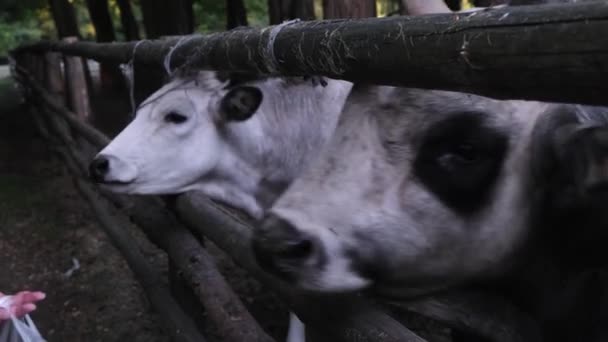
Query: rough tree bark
x,y
64,18
129,25
77,90
152,22
167,17
101,19
236,14
454,5
333,9
109,74
281,10
66,25
274,12
302,9
161,18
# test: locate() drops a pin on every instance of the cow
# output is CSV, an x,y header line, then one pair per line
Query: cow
x,y
239,139
420,191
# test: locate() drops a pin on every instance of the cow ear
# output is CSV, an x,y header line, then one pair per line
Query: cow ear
x,y
240,103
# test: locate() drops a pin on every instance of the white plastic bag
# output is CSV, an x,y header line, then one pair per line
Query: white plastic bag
x,y
17,329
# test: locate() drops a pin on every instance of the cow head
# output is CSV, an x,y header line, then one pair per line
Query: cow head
x,y
176,136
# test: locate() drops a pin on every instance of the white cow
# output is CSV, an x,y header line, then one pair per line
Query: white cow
x,y
240,143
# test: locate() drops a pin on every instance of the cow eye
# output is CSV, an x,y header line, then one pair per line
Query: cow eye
x,y
460,155
175,118
459,161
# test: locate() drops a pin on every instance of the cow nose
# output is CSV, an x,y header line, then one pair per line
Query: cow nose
x,y
281,248
99,168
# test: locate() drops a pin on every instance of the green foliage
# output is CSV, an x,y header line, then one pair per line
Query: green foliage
x,y
13,10
210,15
84,21
466,4
257,12
23,21
387,7
115,14
15,32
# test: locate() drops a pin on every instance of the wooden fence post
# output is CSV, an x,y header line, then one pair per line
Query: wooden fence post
x,y
54,75
78,94
184,295
36,65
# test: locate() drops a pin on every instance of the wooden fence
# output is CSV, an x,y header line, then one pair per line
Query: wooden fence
x,y
553,53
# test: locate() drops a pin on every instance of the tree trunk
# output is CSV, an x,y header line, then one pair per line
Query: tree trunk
x,y
333,9
109,74
274,12
64,18
129,25
167,17
161,18
281,10
66,24
102,21
236,14
454,5
180,19
151,25
77,90
302,9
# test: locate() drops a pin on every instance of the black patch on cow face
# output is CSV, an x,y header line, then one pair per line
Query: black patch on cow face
x,y
459,161
240,103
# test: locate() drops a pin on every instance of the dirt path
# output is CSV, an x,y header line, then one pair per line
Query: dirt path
x,y
44,226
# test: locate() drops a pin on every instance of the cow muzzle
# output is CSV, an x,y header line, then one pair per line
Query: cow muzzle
x,y
280,248
106,169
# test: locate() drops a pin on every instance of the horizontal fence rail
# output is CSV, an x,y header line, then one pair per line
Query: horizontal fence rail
x,y
550,53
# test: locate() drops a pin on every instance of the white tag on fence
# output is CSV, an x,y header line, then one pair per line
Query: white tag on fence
x,y
17,329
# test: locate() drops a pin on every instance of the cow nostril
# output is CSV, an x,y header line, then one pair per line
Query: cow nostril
x,y
99,168
283,249
296,250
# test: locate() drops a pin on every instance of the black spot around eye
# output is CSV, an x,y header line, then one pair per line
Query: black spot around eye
x,y
459,161
175,118
241,103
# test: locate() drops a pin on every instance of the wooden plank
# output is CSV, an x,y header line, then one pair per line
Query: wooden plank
x,y
548,52
76,84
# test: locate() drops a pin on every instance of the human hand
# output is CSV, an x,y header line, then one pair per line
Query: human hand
x,y
22,303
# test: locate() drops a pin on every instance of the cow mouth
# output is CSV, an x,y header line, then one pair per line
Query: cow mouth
x,y
114,183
